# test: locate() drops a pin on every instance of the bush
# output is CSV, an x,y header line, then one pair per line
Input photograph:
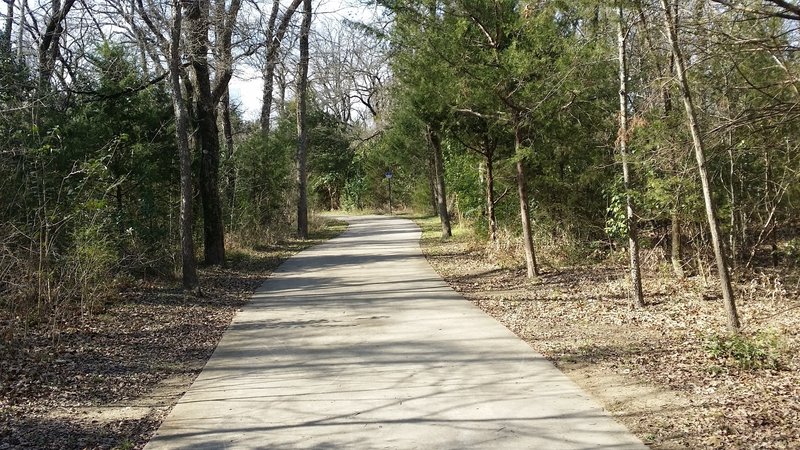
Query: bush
x,y
264,196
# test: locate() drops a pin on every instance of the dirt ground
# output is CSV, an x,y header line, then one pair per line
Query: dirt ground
x,y
655,369
107,381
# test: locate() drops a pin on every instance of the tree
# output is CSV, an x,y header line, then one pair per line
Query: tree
x,y
632,226
6,42
207,96
331,160
435,143
302,124
524,207
420,70
671,168
188,265
273,38
49,45
699,147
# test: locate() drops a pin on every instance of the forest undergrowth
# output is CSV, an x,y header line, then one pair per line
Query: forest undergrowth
x,y
108,380
669,371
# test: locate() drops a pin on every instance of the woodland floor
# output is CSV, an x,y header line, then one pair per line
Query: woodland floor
x,y
655,368
107,381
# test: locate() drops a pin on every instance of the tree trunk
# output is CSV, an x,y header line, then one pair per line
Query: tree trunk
x,y
213,228
49,45
676,250
630,217
524,209
188,264
227,132
490,198
771,204
273,39
441,192
711,211
269,69
302,124
21,32
733,242
207,133
432,183
9,26
266,103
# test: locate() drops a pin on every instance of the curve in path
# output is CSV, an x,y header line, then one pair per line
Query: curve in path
x,y
359,344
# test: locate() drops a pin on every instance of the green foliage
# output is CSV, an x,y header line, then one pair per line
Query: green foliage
x,y
94,182
464,179
616,221
475,71
761,351
332,163
261,209
127,135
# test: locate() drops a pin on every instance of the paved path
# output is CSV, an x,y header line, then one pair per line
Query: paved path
x,y
358,344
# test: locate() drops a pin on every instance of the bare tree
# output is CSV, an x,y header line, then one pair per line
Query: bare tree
x,y
6,44
699,147
21,32
622,142
664,95
188,263
49,45
274,38
348,70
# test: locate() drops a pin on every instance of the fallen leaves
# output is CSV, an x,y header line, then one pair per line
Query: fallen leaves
x,y
581,319
107,382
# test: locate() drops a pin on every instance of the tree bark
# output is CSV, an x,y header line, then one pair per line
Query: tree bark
x,y
49,45
227,133
711,211
302,124
21,32
432,183
269,69
630,217
207,132
9,26
274,38
490,197
524,210
439,184
188,263
676,250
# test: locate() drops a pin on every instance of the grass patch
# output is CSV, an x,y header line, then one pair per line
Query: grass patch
x,y
761,351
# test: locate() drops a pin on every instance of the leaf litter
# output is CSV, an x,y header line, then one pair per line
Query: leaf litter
x,y
655,369
108,381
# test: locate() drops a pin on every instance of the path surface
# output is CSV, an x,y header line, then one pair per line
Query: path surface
x,y
358,344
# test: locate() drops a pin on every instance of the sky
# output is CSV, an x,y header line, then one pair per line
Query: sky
x,y
247,84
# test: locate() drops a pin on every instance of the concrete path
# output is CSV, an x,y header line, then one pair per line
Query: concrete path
x,y
358,344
